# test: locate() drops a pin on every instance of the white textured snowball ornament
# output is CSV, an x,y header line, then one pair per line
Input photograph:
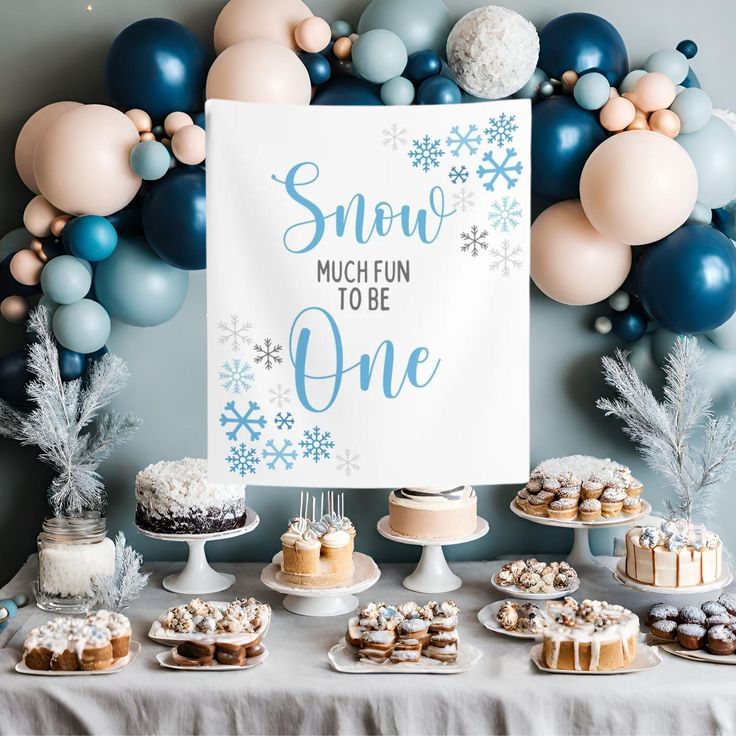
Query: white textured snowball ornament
x,y
492,52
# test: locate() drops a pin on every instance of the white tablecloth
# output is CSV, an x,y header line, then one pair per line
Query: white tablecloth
x,y
296,691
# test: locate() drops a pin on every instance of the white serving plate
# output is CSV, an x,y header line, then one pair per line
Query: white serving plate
x,y
697,655
646,658
120,665
725,579
166,659
162,636
488,616
344,658
516,592
621,519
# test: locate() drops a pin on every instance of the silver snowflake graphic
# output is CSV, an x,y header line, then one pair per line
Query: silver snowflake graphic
x,y
506,258
501,129
280,395
426,153
458,141
394,137
505,214
347,463
474,241
268,354
463,200
236,376
234,333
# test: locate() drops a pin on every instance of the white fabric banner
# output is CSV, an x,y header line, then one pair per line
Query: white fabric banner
x,y
368,294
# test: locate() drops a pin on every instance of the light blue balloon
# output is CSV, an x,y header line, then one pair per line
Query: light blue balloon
x,y
137,287
150,160
66,279
629,81
701,215
713,151
14,241
50,305
379,55
592,91
725,335
694,108
82,327
530,91
420,24
662,343
669,62
397,91
340,28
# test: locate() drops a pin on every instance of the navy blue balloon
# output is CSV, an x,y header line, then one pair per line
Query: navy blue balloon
x,y
628,326
318,68
9,286
438,91
582,41
158,65
691,80
71,365
687,48
563,137
128,220
347,91
422,65
174,220
687,281
14,376
94,357
199,119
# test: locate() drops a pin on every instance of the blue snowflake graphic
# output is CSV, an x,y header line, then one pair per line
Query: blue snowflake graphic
x,y
458,141
284,421
501,129
500,170
426,153
242,459
505,214
458,175
283,453
316,444
242,421
236,376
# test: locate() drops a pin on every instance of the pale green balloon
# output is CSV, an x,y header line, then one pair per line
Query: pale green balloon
x,y
670,62
397,91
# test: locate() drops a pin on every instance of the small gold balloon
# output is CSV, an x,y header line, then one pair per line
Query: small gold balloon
x,y
639,123
569,79
141,119
342,48
148,136
665,122
58,223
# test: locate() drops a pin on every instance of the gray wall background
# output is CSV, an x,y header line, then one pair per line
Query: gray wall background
x,y
53,50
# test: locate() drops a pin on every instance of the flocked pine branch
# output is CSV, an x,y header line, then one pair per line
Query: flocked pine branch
x,y
665,431
66,424
115,592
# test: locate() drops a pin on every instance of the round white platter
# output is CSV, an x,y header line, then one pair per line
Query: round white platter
x,y
697,655
162,636
344,658
646,658
515,592
488,616
432,574
725,579
119,666
581,555
322,601
197,577
166,659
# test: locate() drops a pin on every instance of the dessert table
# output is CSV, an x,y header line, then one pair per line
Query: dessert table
x,y
296,691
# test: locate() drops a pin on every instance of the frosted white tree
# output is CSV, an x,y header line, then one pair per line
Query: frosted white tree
x,y
115,592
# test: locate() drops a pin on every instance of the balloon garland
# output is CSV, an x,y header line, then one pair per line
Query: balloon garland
x,y
635,171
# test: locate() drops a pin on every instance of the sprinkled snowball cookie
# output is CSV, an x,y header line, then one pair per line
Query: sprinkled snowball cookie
x,y
492,52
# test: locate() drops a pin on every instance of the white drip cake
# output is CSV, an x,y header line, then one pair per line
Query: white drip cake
x,y
174,497
433,513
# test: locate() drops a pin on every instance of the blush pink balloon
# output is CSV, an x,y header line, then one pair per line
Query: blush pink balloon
x,y
571,262
26,267
189,144
38,216
313,35
82,163
654,91
259,71
638,186
29,136
14,309
275,20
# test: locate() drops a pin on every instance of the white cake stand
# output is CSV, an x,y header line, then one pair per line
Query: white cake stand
x,y
197,577
322,601
723,581
432,574
581,554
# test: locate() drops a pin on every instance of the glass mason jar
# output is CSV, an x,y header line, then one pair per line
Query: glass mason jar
x,y
71,551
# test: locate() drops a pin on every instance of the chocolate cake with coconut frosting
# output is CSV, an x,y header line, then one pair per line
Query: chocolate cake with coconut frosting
x,y
174,497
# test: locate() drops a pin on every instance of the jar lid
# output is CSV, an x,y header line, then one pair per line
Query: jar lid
x,y
88,527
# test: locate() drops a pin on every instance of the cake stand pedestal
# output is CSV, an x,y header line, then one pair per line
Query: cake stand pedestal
x,y
581,555
322,601
432,574
197,577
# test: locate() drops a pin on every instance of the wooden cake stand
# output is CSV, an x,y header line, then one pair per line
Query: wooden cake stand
x,y
197,577
432,574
